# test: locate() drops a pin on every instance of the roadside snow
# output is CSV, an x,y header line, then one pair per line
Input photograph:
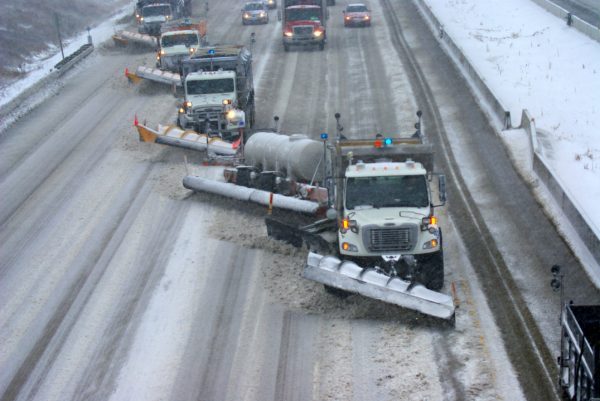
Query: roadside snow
x,y
44,64
533,60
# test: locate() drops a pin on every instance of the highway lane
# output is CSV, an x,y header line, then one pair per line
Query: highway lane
x,y
117,283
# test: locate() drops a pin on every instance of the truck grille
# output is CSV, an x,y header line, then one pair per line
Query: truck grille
x,y
303,30
390,239
214,115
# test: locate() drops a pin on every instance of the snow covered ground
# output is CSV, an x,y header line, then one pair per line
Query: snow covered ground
x,y
532,60
44,64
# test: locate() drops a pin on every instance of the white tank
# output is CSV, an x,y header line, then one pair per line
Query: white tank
x,y
296,156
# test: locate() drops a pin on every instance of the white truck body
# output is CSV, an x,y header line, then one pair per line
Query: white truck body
x,y
385,204
175,46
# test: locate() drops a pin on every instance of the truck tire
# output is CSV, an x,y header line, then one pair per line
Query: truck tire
x,y
433,272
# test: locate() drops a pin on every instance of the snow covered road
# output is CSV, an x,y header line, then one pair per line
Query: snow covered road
x,y
117,283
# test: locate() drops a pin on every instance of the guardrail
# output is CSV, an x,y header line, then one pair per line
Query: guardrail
x,y
498,114
58,70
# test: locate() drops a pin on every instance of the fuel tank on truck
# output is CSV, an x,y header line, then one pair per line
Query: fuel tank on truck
x,y
296,155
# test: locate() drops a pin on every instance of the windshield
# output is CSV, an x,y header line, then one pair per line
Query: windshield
x,y
312,14
356,9
210,86
253,6
387,191
188,39
151,11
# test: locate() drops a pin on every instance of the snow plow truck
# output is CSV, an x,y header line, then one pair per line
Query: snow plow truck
x,y
375,234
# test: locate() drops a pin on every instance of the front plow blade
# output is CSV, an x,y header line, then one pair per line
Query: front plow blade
x,y
348,276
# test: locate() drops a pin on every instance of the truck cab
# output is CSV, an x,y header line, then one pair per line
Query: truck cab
x,y
153,16
209,96
175,46
386,214
304,23
218,91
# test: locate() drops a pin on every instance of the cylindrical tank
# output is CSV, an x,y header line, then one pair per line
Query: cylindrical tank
x,y
296,156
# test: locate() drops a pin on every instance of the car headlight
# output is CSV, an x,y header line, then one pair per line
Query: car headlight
x,y
289,34
246,15
317,33
262,14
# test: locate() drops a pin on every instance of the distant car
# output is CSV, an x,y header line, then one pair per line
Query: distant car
x,y
357,14
255,12
271,3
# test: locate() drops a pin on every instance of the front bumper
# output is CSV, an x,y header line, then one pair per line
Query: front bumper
x,y
303,40
255,20
172,62
152,28
357,22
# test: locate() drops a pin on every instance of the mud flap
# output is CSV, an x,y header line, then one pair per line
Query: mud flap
x,y
350,277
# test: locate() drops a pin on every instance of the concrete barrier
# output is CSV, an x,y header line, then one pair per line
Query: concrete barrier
x,y
590,235
493,107
576,22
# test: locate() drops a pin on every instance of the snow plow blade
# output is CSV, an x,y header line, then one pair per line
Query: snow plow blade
x,y
156,75
250,194
187,139
350,277
125,38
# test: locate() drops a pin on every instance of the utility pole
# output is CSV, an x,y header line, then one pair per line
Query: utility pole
x,y
62,52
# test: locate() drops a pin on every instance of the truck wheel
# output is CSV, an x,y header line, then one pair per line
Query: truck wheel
x,y
431,273
337,292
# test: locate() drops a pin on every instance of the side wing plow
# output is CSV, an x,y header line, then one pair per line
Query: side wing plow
x,y
188,139
125,38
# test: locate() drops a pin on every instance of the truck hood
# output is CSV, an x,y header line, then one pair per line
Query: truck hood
x,y
387,215
292,24
178,50
212,100
155,18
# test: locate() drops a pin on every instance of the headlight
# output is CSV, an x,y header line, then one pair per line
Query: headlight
x,y
181,110
346,246
141,18
246,15
188,104
317,33
289,34
162,52
347,18
430,244
366,17
262,14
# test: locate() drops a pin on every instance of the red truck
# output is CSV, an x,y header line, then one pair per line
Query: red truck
x,y
304,23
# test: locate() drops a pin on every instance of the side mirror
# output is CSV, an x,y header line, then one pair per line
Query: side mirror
x,y
442,188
